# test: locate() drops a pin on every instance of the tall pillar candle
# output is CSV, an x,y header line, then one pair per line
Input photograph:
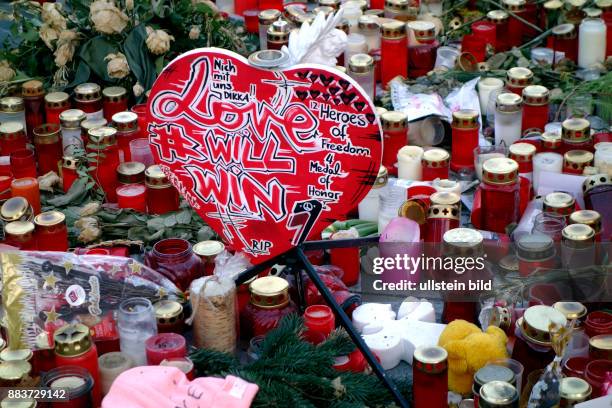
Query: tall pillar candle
x,y
409,163
486,87
549,162
465,139
508,115
395,136
500,18
591,42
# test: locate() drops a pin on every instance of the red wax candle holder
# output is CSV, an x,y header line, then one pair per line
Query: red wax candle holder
x,y
114,100
435,164
12,137
23,163
474,45
430,377
48,143
251,20
535,108
88,98
163,346
27,187
162,197
105,159
77,380
51,231
174,258
500,194
395,136
34,101
319,319
132,196
393,52
464,139
56,103
485,30
575,366
598,323
143,123
5,187
595,374
69,173
126,124
500,19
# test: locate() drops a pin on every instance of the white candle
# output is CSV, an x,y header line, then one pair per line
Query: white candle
x,y
370,29
409,162
548,161
508,118
591,42
110,366
355,44
603,157
450,186
352,12
487,86
71,382
368,208
483,158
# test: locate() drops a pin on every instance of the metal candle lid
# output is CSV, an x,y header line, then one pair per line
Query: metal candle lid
x,y
515,5
57,99
267,17
435,157
535,323
535,247
564,31
14,370
574,389
493,372
131,172
508,102
430,359
394,121
103,136
375,12
414,209
279,31
522,152
92,123
87,92
536,95
11,104
552,5
19,228
361,63
393,29
498,16
465,119
591,182
462,240
72,340
47,133
587,217
32,88
125,121
24,354
368,23
498,394
578,233
445,197
155,178
519,76
15,208
114,93
397,5
500,171
381,178
577,159
559,203
49,219
330,3
600,347
208,249
12,130
268,59
72,118
571,310
167,311
424,31
576,130
551,140
269,292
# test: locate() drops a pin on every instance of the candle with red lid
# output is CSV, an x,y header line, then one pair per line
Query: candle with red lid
x,y
103,143
163,346
422,55
56,103
126,124
576,135
435,163
162,197
33,95
132,196
395,136
501,20
535,108
517,79
319,321
12,137
465,139
88,98
394,51
574,161
523,154
51,231
114,100
48,143
27,187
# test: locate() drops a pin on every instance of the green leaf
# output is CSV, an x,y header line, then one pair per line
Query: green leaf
x,y
140,60
170,220
93,53
81,75
183,217
155,224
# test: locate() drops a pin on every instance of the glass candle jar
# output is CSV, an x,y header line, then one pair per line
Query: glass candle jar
x,y
114,101
51,231
565,39
143,122
598,323
535,252
268,305
74,347
464,139
369,207
430,377
516,27
559,203
402,10
603,157
163,346
486,31
355,44
34,99
597,196
131,173
23,163
319,321
573,390
499,194
361,69
69,173
394,51
600,347
48,144
535,108
12,109
278,35
443,215
577,246
170,317
162,197
132,196
549,224
343,25
27,187
409,163
517,79
395,136
136,323
488,373
498,394
71,130
501,20
174,258
508,118
422,54
20,234
435,164
111,366
575,161
89,124
596,375
56,103
207,251
370,28
78,382
126,124
551,142
12,137
523,154
576,135
587,217
266,18
88,98
182,363
140,151
591,42
104,162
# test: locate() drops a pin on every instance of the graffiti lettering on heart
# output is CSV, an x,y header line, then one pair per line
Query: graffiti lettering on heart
x,y
267,158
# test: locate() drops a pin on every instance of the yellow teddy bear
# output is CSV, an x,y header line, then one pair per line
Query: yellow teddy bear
x,y
470,349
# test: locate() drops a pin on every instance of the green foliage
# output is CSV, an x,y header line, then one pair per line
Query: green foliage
x,y
294,373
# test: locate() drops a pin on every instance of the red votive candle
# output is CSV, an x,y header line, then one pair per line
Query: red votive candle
x,y
270,4
88,98
435,164
422,56
576,135
162,197
126,124
132,196
598,323
5,187
574,161
48,143
485,30
565,39
395,136
474,45
596,374
393,51
430,377
143,123
20,234
103,143
51,231
163,346
33,95
500,194
516,27
500,19
443,215
5,166
535,108
319,319
465,139
56,103
347,259
69,174
27,187
12,137
23,163
251,20
114,100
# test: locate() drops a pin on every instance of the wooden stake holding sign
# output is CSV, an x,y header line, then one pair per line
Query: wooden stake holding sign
x,y
266,158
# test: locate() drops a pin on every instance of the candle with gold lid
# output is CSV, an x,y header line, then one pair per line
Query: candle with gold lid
x,y
443,215
16,209
464,139
20,234
394,51
12,109
361,69
114,100
576,134
126,124
435,163
48,143
89,124
68,172
565,39
56,103
369,206
578,248
51,231
266,18
422,54
88,98
12,137
600,347
573,390
559,203
551,142
575,161
208,251
103,143
501,20
498,394
588,217
71,129
499,194
523,154
278,35
571,310
13,372
162,197
535,108
488,373
508,118
169,315
430,377
578,235
131,173
401,10
395,136
33,95
518,78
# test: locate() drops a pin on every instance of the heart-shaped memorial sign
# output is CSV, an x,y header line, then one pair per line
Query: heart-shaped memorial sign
x,y
267,158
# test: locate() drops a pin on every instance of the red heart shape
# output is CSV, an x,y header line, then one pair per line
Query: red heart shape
x,y
265,166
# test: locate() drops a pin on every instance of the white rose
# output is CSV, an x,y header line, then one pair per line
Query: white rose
x,y
51,15
137,89
129,5
6,72
194,33
66,45
107,18
48,34
117,66
158,41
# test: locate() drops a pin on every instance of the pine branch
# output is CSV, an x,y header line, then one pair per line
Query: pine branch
x,y
363,388
288,331
211,362
337,342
